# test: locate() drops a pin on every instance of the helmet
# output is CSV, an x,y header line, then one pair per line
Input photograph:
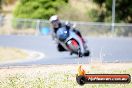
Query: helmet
x,y
53,18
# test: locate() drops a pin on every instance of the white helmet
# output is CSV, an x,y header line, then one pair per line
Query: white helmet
x,y
53,18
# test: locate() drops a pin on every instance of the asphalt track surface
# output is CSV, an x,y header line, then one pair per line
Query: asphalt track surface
x,y
102,49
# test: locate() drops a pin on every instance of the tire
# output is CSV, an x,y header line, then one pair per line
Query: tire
x,y
80,80
60,48
79,53
71,53
87,53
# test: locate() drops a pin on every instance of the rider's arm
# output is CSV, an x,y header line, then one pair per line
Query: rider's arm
x,y
53,34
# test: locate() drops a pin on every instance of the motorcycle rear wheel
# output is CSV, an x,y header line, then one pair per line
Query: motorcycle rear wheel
x,y
87,53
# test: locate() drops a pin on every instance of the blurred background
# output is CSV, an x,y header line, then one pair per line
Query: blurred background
x,y
29,56
92,17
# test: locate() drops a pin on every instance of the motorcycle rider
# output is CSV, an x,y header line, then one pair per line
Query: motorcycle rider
x,y
56,24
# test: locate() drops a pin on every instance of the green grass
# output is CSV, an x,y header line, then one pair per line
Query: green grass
x,y
54,79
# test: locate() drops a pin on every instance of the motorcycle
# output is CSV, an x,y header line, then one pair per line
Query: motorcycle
x,y
72,42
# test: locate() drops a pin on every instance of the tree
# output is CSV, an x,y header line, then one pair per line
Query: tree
x,y
41,9
123,10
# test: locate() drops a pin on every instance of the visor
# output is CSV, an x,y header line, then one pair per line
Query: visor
x,y
54,21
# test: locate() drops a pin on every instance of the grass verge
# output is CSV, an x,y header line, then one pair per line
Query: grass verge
x,y
58,76
7,54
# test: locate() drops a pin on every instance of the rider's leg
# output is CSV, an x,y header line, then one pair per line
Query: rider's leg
x,y
78,33
60,48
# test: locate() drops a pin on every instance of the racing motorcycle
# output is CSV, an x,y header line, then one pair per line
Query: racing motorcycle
x,y
72,42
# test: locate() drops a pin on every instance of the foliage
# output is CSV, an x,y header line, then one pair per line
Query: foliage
x,y
123,10
40,9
